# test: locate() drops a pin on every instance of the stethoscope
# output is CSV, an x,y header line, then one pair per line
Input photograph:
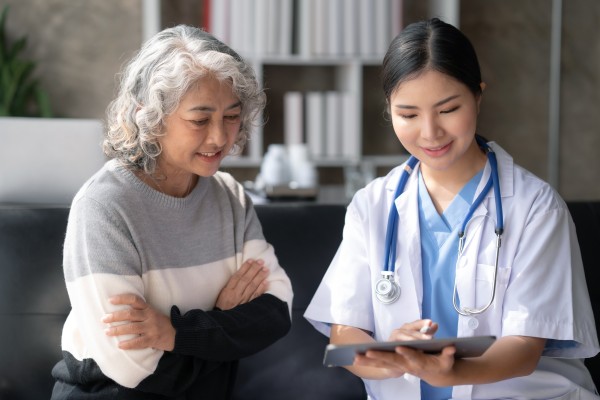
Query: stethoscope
x,y
387,290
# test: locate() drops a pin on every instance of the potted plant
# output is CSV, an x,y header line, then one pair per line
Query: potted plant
x,y
20,92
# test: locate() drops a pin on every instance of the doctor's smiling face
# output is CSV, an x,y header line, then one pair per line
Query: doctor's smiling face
x,y
435,118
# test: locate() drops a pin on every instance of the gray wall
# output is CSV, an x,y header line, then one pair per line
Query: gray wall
x,y
81,44
514,48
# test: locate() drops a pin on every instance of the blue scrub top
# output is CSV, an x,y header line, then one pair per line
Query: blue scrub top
x,y
439,251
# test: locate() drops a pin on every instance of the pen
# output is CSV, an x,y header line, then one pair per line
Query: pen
x,y
425,328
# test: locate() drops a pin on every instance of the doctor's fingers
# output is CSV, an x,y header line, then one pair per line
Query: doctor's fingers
x,y
404,359
429,367
417,330
389,369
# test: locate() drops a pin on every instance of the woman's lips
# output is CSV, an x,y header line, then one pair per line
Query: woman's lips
x,y
437,151
210,156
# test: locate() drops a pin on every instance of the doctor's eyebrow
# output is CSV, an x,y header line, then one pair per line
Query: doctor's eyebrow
x,y
437,104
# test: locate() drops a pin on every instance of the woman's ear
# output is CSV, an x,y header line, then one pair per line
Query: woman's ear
x,y
482,86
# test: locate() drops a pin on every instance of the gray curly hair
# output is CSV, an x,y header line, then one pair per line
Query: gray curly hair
x,y
153,83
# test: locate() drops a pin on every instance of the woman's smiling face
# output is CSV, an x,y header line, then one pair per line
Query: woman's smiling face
x,y
435,118
201,131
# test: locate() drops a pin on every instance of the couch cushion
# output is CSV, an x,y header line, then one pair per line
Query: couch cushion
x,y
34,302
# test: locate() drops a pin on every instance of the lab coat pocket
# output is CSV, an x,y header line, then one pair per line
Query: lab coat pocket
x,y
485,289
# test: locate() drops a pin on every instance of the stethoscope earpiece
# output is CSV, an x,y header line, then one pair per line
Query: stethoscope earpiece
x,y
386,289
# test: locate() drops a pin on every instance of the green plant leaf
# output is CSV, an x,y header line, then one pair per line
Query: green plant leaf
x,y
43,102
22,98
20,94
18,82
2,34
16,48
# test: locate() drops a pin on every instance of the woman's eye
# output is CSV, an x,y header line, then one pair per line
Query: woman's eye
x,y
232,118
408,116
448,111
200,122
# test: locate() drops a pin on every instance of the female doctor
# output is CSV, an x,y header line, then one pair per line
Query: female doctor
x,y
518,275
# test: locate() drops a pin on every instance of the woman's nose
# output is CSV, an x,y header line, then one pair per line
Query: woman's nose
x,y
217,134
431,128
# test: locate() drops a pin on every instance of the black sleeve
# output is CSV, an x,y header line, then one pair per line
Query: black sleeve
x,y
176,373
233,334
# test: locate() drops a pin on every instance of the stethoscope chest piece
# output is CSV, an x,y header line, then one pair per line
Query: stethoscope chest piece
x,y
387,290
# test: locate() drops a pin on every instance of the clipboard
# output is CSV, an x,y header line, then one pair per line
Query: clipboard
x,y
343,354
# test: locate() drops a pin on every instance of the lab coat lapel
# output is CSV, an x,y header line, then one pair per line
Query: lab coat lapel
x,y
505,171
408,262
466,263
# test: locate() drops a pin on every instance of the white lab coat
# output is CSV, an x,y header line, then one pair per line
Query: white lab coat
x,y
541,289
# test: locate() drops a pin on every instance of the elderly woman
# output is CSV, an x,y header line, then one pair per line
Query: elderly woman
x,y
168,273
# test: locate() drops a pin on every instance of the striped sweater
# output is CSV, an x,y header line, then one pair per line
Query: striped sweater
x,y
177,254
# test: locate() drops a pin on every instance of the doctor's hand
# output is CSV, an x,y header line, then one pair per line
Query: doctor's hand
x,y
406,360
249,282
427,367
422,329
151,328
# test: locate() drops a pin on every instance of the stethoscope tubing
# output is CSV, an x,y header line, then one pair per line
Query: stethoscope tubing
x,y
392,226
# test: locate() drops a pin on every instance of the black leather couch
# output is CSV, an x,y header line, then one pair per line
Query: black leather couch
x,y
34,304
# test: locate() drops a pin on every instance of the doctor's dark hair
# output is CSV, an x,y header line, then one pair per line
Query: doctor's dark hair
x,y
430,45
155,80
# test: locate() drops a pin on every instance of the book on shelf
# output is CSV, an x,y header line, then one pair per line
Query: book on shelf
x,y
309,28
333,111
303,27
261,19
293,118
220,17
318,24
349,132
236,27
320,119
349,28
248,30
334,26
314,123
381,30
273,26
286,25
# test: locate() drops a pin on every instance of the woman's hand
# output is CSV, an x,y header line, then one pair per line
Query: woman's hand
x,y
153,329
249,282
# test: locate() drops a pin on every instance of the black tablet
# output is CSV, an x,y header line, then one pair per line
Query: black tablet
x,y
343,354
